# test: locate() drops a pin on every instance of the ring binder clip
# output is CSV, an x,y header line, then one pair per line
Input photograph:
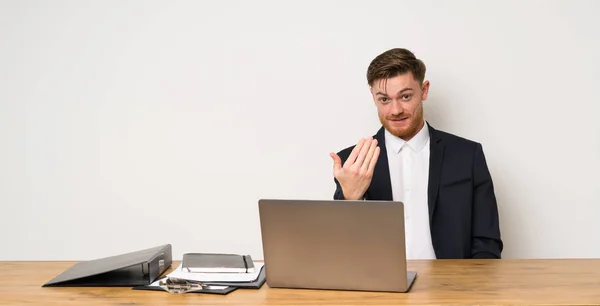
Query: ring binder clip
x,y
178,286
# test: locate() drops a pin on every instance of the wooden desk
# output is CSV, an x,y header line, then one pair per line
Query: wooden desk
x,y
566,281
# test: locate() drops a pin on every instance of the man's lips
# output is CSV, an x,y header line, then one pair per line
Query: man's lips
x,y
398,119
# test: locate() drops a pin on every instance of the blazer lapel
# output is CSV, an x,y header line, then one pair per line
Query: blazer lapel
x,y
381,186
436,156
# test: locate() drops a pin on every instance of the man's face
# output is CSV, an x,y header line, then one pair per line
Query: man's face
x,y
399,102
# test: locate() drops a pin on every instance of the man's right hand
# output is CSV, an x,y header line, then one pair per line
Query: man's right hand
x,y
356,173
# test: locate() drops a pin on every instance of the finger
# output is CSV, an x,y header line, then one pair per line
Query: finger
x,y
363,152
354,152
337,161
367,162
374,159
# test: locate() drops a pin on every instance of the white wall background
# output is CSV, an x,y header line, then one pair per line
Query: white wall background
x,y
129,124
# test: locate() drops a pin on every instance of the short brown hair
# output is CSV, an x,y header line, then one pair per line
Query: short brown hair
x,y
394,62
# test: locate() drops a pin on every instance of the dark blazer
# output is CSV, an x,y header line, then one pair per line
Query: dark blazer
x,y
463,213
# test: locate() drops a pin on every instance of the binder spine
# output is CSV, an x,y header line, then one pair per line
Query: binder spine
x,y
159,264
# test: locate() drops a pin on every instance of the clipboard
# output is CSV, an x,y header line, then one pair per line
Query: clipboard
x,y
206,287
197,289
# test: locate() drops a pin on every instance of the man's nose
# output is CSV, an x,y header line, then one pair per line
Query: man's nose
x,y
396,108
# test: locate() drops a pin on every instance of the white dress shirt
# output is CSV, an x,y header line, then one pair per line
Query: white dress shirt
x,y
409,175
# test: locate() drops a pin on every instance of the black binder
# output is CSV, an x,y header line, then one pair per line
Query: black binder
x,y
231,286
223,291
131,269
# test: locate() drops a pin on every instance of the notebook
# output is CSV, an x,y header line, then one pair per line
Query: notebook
x,y
217,263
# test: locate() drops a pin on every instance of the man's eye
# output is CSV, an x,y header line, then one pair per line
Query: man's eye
x,y
383,100
406,97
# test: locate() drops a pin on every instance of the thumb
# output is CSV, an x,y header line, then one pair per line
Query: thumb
x,y
337,161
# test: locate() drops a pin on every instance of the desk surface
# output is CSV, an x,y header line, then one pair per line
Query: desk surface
x,y
557,281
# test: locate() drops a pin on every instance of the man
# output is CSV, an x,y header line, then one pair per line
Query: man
x,y
442,179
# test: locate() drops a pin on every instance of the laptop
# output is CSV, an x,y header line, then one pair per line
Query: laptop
x,y
335,245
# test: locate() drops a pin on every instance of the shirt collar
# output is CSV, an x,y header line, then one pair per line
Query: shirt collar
x,y
394,143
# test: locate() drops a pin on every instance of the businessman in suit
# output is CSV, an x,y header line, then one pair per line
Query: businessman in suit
x,y
442,179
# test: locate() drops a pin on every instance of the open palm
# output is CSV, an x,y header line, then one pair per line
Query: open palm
x,y
356,173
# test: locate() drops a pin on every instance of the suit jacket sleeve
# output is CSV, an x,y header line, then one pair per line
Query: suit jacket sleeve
x,y
338,194
486,241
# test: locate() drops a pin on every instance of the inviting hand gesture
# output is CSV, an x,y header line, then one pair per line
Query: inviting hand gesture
x,y
356,173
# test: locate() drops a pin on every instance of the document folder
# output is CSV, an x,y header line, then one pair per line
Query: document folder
x,y
205,287
131,269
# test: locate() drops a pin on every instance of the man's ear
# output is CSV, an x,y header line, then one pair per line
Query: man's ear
x,y
425,90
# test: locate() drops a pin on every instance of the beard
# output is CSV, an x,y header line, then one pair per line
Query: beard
x,y
410,127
